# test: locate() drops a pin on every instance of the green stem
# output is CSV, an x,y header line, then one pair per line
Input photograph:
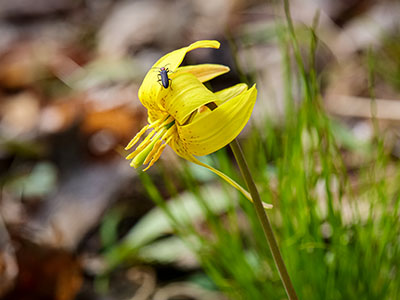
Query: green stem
x,y
263,218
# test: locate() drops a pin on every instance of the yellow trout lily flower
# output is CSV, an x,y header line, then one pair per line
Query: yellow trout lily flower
x,y
187,116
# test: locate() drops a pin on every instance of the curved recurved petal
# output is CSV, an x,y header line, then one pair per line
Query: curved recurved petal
x,y
148,91
177,145
173,59
186,95
230,181
213,130
203,72
230,93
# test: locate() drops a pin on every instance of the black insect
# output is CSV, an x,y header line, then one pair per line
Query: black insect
x,y
163,77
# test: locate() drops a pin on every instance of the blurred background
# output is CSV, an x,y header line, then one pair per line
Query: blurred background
x,y
76,222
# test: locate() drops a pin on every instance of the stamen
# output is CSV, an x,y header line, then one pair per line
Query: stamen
x,y
137,137
158,153
146,142
151,125
156,156
149,136
156,124
164,137
152,146
139,148
166,122
154,150
169,132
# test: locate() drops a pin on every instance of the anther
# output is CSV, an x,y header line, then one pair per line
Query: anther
x,y
136,137
154,150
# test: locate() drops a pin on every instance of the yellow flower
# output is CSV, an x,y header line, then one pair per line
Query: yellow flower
x,y
187,116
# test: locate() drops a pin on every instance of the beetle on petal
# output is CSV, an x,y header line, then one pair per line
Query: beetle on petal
x,y
163,77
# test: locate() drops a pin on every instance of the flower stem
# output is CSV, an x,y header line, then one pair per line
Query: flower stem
x,y
263,218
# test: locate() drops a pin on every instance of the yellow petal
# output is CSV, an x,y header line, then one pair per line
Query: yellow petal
x,y
203,72
212,130
148,91
156,114
223,176
230,93
173,59
186,95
